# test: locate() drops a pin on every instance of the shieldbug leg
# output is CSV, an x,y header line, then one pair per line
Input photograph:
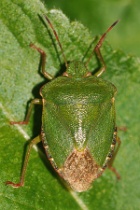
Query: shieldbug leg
x,y
122,128
22,177
43,61
33,102
111,155
118,141
98,53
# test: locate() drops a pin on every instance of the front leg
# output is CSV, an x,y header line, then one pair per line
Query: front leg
x,y
43,61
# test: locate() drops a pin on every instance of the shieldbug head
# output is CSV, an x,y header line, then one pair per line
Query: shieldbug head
x,y
78,131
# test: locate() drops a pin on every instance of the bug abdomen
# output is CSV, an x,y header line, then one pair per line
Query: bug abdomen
x,y
80,170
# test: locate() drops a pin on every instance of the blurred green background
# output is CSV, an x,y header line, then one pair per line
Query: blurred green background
x,y
98,15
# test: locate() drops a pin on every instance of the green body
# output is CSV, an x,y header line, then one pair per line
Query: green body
x,y
78,121
78,113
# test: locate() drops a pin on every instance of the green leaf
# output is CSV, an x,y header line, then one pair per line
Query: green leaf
x,y
20,81
96,15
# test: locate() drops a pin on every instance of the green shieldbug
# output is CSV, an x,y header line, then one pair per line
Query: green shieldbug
x,y
78,131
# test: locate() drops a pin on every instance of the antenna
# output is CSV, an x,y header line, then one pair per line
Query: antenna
x,y
57,38
99,44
